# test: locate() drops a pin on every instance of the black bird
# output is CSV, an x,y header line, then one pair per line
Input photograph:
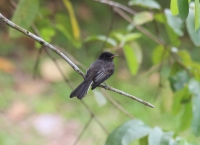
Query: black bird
x,y
98,72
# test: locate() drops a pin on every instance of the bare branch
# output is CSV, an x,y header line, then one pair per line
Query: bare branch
x,y
143,30
42,42
94,116
127,95
116,104
37,62
84,129
117,5
48,45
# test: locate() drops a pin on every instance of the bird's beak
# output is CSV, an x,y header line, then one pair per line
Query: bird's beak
x,y
114,55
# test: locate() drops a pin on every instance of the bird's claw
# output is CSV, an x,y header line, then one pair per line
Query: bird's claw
x,y
106,86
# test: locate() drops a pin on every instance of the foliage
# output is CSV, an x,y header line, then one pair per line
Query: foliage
x,y
170,55
136,130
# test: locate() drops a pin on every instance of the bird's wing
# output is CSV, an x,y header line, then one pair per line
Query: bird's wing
x,y
102,75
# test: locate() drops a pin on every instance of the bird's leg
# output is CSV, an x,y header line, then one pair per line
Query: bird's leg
x,y
106,86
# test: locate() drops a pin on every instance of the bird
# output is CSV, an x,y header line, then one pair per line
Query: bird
x,y
98,72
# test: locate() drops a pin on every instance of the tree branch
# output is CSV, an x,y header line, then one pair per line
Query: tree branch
x,y
84,129
48,45
117,5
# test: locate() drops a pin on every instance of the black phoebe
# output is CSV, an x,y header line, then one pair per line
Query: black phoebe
x,y
98,72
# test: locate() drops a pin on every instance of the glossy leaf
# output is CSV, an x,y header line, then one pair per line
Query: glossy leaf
x,y
174,7
183,9
194,35
174,22
159,54
110,41
131,59
24,15
194,87
197,14
74,23
145,3
128,132
142,18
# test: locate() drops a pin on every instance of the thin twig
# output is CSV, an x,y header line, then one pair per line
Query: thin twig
x,y
42,42
78,63
127,95
94,116
61,72
37,62
117,105
59,69
117,5
143,30
48,45
84,129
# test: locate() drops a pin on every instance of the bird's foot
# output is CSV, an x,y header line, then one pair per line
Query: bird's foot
x,y
106,86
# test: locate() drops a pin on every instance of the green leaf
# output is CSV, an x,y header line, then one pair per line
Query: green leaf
x,y
74,23
159,54
160,18
131,59
155,136
158,137
128,132
142,17
47,34
197,14
145,3
137,50
177,101
166,137
68,35
144,140
174,22
174,7
194,35
178,80
174,38
175,68
194,87
24,15
110,41
185,117
65,31
185,56
131,37
127,37
183,9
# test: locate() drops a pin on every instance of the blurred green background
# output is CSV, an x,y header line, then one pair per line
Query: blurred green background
x,y
39,111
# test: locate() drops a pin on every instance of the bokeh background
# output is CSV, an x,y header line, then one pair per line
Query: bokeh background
x,y
38,110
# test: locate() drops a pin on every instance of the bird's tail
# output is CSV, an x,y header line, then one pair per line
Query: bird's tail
x,y
81,90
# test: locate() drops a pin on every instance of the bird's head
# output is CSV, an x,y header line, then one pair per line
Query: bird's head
x,y
107,56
